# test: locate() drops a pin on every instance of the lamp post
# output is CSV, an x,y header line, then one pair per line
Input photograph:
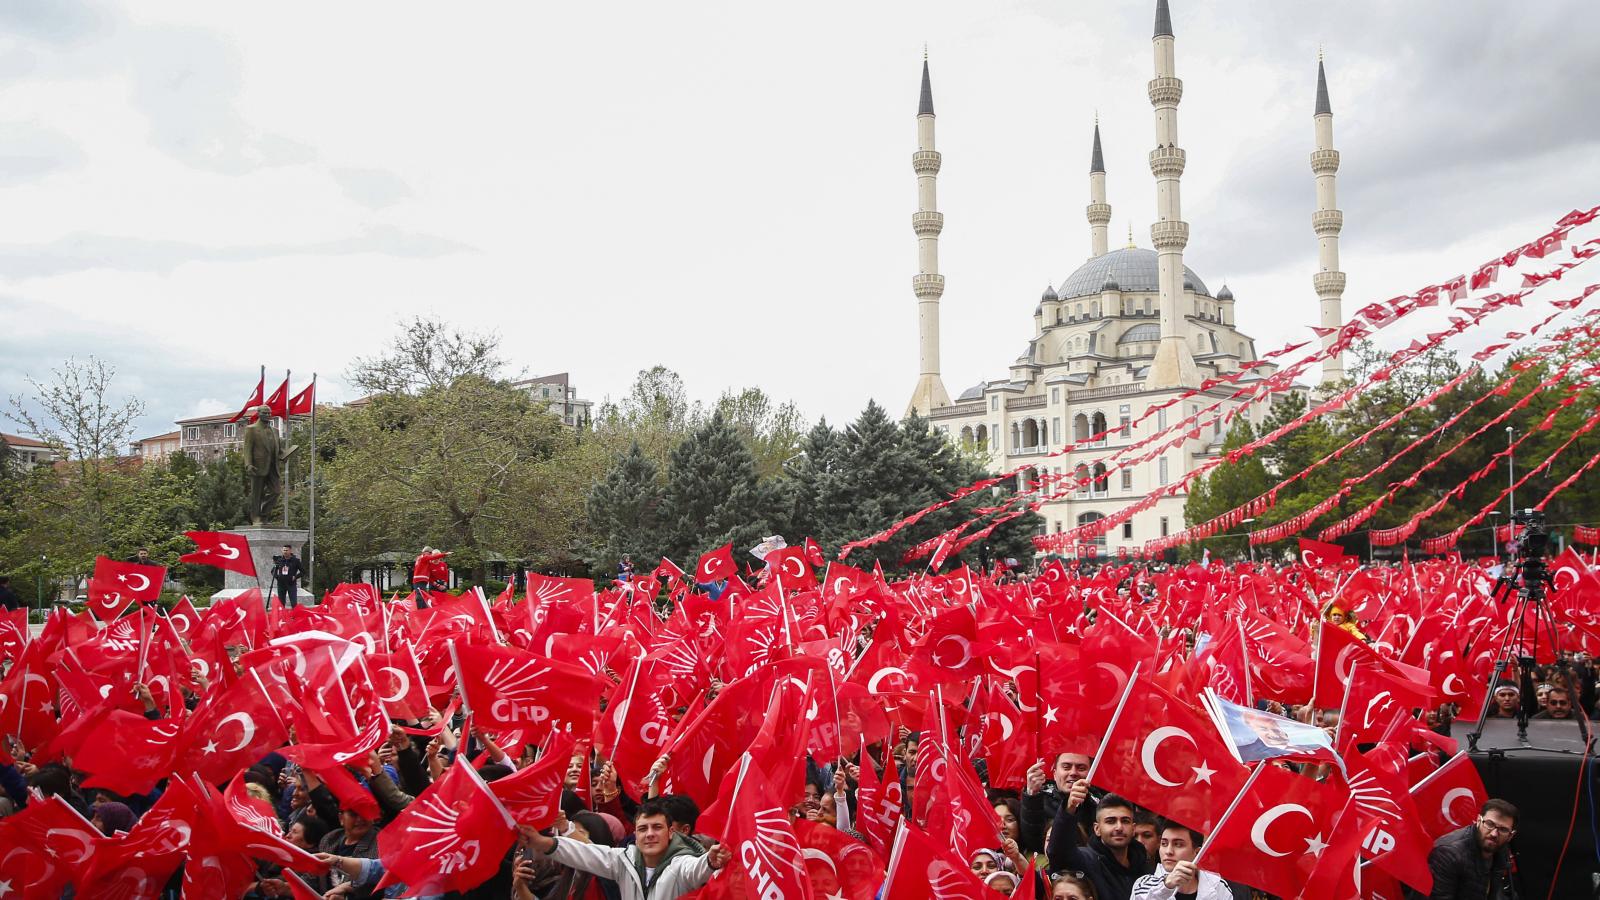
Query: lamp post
x,y
38,581
1247,540
1494,532
1511,474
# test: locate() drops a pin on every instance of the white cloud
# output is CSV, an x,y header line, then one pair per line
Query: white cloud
x,y
721,187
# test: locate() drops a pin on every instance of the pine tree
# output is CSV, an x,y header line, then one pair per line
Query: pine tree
x,y
712,494
624,510
808,476
875,482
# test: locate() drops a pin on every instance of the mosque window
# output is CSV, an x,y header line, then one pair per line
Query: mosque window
x,y
1161,419
1055,396
1125,420
1127,479
1163,526
1127,531
994,404
1161,470
1094,309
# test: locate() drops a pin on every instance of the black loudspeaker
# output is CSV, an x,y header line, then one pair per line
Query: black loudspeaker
x,y
1543,782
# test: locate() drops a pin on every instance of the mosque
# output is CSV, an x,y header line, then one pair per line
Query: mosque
x,y
1128,330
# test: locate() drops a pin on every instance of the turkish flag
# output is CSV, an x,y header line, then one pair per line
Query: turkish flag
x,y
451,838
50,844
716,565
116,584
349,792
1274,833
399,682
668,570
185,619
532,795
127,753
814,554
1318,554
300,404
230,730
879,801
1374,702
1449,797
766,854
945,652
921,866
249,408
633,731
1337,874
1338,652
509,688
1163,754
279,401
839,865
958,806
790,565
221,549
122,870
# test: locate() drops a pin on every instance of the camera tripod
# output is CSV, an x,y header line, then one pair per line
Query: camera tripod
x,y
1528,576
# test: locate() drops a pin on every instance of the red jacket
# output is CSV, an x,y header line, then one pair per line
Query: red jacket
x,y
422,571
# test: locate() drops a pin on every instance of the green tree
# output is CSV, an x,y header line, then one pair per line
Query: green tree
x,y
713,494
1227,487
625,511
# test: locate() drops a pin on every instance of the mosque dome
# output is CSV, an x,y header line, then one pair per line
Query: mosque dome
x,y
1132,269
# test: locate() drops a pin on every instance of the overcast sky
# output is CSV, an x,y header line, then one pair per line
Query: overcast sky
x,y
191,190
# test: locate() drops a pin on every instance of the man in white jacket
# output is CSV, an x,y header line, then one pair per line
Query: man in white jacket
x,y
1177,877
659,865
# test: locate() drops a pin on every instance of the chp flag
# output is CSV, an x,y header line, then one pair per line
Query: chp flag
x,y
222,549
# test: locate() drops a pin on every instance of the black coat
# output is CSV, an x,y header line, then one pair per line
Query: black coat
x,y
1460,871
287,568
1110,878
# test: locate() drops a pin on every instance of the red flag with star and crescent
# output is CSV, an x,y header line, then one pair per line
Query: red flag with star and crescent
x,y
716,565
1164,754
1273,835
222,549
116,584
1449,797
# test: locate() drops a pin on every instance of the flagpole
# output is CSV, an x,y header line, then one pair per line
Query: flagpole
x,y
1248,784
311,537
288,484
1115,715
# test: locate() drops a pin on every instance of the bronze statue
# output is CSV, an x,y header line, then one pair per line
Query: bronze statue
x,y
264,455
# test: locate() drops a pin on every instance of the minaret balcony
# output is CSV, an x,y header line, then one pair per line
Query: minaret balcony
x,y
1324,162
927,287
1327,222
925,162
1328,284
1099,213
1170,235
927,223
1167,162
1165,91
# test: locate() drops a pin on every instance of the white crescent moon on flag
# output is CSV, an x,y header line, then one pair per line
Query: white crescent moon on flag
x,y
1341,663
1366,718
227,551
799,567
1452,691
77,836
1449,800
963,643
872,683
400,678
1116,673
1258,831
247,727
144,583
1152,742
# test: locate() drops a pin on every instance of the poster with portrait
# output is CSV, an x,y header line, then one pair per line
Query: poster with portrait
x,y
1254,735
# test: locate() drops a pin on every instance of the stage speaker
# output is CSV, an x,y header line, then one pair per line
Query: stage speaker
x,y
1543,781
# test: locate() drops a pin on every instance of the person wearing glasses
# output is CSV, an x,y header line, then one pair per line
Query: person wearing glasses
x,y
1475,861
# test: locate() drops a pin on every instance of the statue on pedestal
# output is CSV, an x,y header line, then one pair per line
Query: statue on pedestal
x,y
264,456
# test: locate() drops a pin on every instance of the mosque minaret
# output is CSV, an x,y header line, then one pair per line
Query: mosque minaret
x,y
1327,222
1131,342
928,285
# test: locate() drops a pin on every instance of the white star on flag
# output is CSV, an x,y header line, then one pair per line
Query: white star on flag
x,y
210,747
1203,772
1314,845
1050,714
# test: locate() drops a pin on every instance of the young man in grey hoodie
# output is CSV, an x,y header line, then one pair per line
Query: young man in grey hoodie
x,y
660,864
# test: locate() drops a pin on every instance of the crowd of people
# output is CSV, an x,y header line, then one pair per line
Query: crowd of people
x,y
1056,830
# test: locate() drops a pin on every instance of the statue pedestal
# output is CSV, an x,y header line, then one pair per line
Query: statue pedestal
x,y
266,541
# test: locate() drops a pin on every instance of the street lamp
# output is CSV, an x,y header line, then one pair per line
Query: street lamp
x,y
1250,542
1511,475
38,581
1494,532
